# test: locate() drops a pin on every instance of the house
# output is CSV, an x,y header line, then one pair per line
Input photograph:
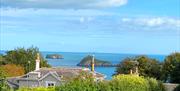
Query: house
x,y
46,77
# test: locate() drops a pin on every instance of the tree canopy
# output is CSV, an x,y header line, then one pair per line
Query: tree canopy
x,y
12,70
25,58
147,67
171,68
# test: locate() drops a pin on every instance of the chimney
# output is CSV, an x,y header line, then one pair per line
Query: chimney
x,y
37,62
131,72
92,64
137,73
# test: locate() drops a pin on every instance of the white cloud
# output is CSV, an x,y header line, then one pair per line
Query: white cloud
x,y
82,19
110,3
154,21
86,19
14,12
62,4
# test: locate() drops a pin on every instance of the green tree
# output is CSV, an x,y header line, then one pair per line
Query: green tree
x,y
2,60
125,66
146,66
25,57
2,73
3,83
171,68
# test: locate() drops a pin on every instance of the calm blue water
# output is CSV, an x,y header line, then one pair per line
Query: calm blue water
x,y
73,58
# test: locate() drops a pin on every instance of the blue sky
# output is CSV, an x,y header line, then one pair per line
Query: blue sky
x,y
111,26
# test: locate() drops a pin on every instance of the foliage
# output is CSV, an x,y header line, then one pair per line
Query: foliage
x,y
12,70
3,85
171,68
118,83
1,57
21,56
86,82
2,73
2,60
125,66
37,89
147,67
128,83
154,85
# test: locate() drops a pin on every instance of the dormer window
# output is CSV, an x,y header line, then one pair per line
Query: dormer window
x,y
50,83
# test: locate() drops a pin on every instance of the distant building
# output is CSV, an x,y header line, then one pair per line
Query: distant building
x,y
49,76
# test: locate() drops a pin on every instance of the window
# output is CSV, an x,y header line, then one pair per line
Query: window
x,y
50,83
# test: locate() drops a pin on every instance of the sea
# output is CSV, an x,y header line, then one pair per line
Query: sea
x,y
71,59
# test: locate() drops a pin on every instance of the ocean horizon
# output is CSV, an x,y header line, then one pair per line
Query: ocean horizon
x,y
71,59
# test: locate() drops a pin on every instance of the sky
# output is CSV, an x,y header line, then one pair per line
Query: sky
x,y
107,26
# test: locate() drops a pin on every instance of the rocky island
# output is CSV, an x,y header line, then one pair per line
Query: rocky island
x,y
54,56
86,61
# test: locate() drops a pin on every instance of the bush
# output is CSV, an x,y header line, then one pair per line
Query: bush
x,y
128,83
13,70
37,89
4,86
154,85
78,84
118,83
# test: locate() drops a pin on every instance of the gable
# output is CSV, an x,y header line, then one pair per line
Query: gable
x,y
50,77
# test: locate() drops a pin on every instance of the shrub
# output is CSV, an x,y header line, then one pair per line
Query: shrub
x,y
3,85
128,83
13,70
155,85
37,89
118,83
87,84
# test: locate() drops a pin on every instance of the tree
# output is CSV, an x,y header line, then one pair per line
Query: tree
x,y
125,66
171,68
2,59
146,66
25,58
149,67
13,70
3,84
2,73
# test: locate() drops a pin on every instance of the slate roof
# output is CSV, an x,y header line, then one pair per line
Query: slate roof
x,y
60,72
67,71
